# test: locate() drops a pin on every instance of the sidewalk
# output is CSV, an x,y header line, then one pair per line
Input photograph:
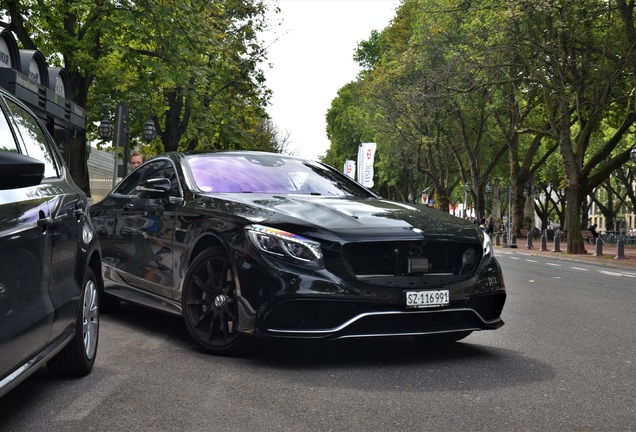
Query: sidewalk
x,y
607,259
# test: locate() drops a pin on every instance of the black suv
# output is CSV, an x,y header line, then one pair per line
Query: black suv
x,y
50,260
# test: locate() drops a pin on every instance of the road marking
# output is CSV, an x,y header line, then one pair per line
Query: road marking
x,y
579,268
553,264
512,257
610,273
534,261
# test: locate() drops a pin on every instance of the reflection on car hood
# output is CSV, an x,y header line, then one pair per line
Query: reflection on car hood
x,y
347,216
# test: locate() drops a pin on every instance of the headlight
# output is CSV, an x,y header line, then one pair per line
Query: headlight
x,y
488,252
285,245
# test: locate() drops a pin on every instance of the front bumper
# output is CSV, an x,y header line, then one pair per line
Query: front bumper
x,y
282,302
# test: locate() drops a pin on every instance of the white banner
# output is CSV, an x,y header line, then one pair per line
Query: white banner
x,y
366,155
350,168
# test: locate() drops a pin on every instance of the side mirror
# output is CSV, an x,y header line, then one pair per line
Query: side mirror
x,y
154,188
18,171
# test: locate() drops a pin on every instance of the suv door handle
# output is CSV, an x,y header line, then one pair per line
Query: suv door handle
x,y
129,206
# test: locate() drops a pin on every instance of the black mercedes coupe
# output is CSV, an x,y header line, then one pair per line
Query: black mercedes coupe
x,y
259,244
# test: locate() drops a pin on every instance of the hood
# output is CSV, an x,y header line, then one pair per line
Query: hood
x,y
368,217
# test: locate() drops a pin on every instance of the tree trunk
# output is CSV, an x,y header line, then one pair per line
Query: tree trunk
x,y
575,244
78,162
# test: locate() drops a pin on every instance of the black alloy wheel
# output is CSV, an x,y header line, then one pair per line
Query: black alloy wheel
x,y
210,304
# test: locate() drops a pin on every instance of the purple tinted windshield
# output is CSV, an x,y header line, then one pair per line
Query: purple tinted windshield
x,y
267,173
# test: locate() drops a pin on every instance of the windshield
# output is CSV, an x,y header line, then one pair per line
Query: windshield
x,y
270,174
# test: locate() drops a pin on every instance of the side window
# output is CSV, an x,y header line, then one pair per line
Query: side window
x,y
128,185
7,142
33,138
160,168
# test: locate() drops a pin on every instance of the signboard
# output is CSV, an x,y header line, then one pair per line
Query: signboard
x,y
350,169
366,156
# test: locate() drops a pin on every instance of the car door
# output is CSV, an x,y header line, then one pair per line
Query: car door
x,y
26,310
139,242
66,206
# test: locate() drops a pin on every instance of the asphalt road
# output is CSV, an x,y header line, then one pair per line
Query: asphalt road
x,y
564,361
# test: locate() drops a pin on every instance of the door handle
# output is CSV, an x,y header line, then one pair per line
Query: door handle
x,y
128,206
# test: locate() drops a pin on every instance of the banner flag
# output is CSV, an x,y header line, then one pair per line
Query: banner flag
x,y
366,155
350,168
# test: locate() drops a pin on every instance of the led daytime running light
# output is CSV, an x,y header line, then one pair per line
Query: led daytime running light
x,y
284,237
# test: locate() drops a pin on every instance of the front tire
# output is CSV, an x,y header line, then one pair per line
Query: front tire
x,y
210,304
78,357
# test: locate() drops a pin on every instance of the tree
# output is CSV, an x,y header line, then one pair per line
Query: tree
x,y
191,64
583,52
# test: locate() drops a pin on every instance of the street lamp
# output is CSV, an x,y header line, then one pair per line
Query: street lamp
x,y
632,154
122,132
466,190
105,129
148,131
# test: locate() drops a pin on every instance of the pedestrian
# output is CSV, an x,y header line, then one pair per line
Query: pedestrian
x,y
632,236
136,159
490,226
593,231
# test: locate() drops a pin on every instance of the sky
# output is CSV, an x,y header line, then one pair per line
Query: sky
x,y
311,53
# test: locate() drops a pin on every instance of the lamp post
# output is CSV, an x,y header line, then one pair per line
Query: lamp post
x,y
488,192
122,132
466,190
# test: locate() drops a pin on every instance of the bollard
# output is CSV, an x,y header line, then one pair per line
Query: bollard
x,y
598,248
498,239
557,243
513,241
505,238
529,243
620,249
544,243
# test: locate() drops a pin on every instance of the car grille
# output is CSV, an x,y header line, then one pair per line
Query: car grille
x,y
373,262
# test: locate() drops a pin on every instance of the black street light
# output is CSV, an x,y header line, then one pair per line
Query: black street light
x,y
122,132
467,189
149,132
105,129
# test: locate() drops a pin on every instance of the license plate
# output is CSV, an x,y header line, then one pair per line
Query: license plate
x,y
423,299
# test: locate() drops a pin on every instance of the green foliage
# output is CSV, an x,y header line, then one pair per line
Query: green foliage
x,y
535,92
191,65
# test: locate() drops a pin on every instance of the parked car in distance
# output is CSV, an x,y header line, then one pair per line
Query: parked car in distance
x,y
247,244
50,262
